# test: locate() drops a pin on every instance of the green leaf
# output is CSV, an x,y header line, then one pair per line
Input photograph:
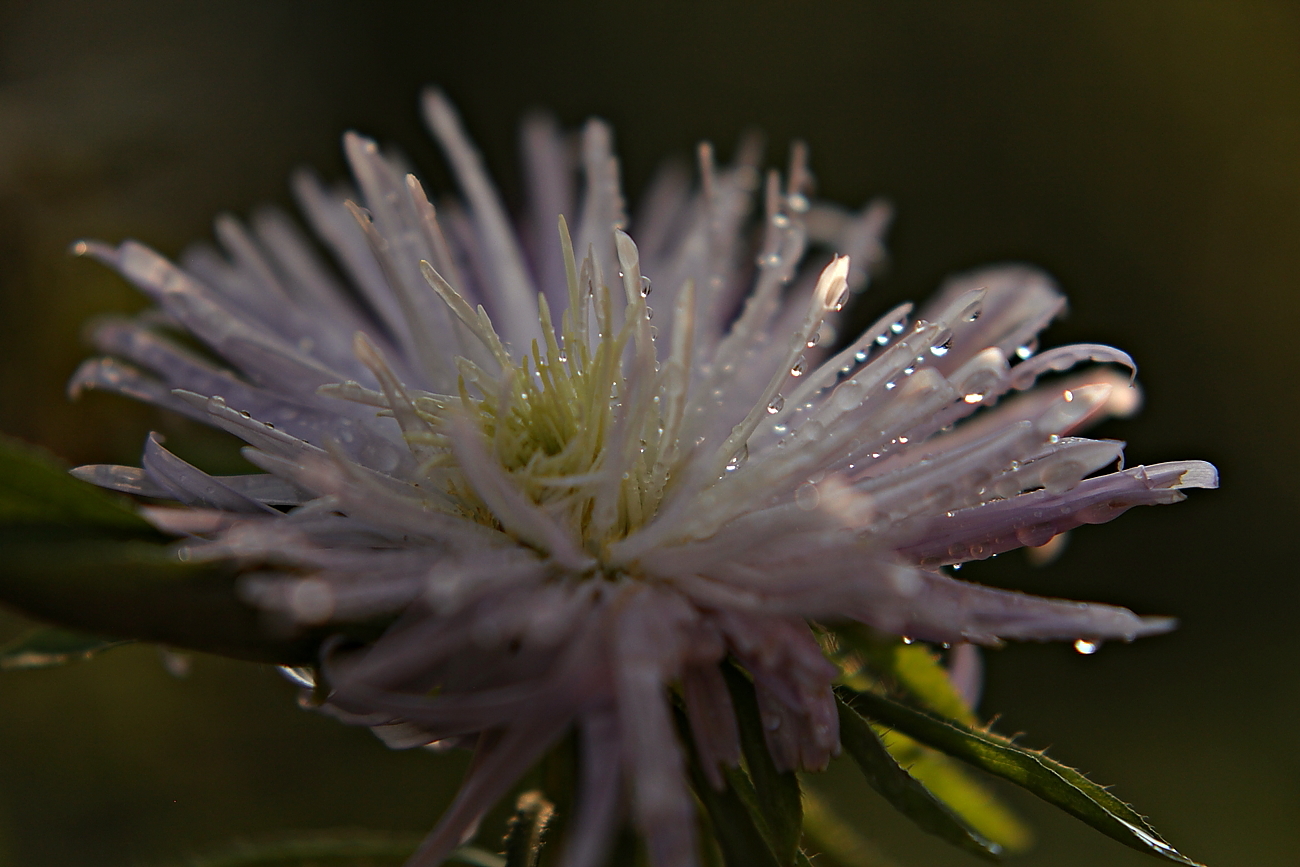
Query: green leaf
x,y
914,674
911,670
357,849
1058,784
776,793
136,589
83,559
35,490
736,825
837,839
902,790
50,646
967,797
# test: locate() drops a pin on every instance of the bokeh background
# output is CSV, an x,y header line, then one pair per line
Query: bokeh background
x,y
1147,154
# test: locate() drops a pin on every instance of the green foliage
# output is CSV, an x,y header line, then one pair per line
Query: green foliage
x,y
47,647
966,796
903,791
82,558
1050,780
777,801
732,811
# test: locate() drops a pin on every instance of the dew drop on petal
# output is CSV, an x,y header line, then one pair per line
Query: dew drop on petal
x,y
738,459
799,367
862,354
798,202
806,496
841,301
780,220
1085,647
645,286
775,405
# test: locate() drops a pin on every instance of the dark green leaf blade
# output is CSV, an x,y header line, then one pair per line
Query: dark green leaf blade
x,y
777,796
735,824
953,783
83,559
35,490
1050,780
136,589
911,670
902,790
50,646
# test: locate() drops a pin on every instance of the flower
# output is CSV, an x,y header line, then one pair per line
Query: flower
x,y
567,511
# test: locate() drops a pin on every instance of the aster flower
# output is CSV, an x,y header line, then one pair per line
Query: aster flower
x,y
571,501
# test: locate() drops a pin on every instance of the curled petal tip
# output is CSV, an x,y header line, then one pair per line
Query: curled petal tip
x,y
1199,474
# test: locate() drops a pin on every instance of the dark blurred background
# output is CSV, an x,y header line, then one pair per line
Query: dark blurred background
x,y
1147,154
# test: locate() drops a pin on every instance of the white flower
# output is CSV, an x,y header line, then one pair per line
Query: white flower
x,y
572,509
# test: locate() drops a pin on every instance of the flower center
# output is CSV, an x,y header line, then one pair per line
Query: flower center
x,y
577,423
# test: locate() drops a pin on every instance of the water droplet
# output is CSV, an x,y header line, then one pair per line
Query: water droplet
x,y
649,313
897,327
798,202
1068,395
939,350
738,459
775,405
563,357
882,338
903,441
841,301
1028,349
645,286
780,428
861,355
1054,439
973,397
799,367
907,639
814,338
1085,647
780,220
806,496
890,386
768,260
955,566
